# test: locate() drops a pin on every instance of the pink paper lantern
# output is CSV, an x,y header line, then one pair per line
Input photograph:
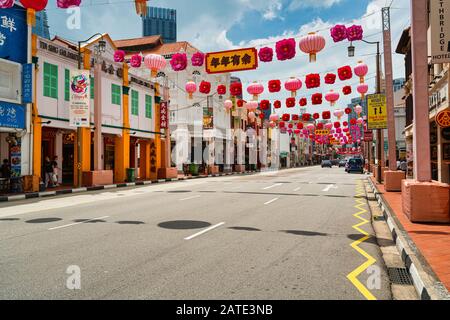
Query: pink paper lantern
x,y
274,117
5,4
358,110
191,88
272,124
228,105
251,115
311,127
361,71
329,126
312,44
255,89
136,60
198,59
338,114
362,89
119,56
64,4
293,85
155,63
332,97
251,105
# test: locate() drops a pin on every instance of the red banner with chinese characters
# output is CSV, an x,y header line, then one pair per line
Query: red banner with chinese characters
x,y
163,115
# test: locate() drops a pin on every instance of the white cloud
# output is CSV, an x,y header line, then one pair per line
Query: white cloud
x,y
298,4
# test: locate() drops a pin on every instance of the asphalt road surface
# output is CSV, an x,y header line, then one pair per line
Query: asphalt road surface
x,y
277,235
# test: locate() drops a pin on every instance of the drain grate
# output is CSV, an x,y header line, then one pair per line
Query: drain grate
x,y
379,218
400,276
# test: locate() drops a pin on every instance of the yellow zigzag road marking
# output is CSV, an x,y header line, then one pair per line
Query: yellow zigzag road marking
x,y
353,276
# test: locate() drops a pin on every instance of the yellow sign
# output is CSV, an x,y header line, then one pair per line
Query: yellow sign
x,y
232,61
377,112
322,132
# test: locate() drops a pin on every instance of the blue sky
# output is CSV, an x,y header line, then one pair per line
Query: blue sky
x,y
214,25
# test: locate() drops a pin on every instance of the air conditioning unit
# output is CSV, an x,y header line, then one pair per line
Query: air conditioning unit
x,y
10,81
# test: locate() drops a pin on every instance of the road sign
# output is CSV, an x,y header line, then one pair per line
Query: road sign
x,y
232,61
377,112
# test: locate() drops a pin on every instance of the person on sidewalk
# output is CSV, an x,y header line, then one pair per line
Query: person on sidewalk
x,y
48,170
55,171
6,169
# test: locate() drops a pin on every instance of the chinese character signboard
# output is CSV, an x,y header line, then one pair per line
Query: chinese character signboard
x,y
440,31
79,112
232,61
443,119
27,83
12,115
368,136
322,132
13,34
163,115
377,111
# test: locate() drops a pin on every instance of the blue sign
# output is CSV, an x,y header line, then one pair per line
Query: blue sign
x,y
12,115
27,83
13,34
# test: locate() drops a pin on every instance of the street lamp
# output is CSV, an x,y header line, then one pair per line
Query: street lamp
x,y
351,53
99,49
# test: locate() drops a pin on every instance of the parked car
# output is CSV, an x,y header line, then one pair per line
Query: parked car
x,y
327,164
342,163
355,165
335,162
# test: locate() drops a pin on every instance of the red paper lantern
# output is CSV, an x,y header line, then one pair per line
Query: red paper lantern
x,y
316,99
222,89
286,117
240,103
290,126
353,121
345,124
37,5
205,87
282,125
295,117
348,110
264,104
345,73
320,126
236,89
330,78
274,86
337,125
347,90
312,80
300,125
277,104
326,115
306,117
262,116
290,102
316,116
303,102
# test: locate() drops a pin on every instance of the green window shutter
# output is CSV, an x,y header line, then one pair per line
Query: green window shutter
x,y
66,84
91,80
148,106
46,79
134,103
54,82
115,94
50,80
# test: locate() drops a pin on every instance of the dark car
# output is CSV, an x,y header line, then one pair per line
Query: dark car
x,y
355,165
342,163
335,162
327,164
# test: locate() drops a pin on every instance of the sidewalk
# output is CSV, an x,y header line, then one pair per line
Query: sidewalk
x,y
431,240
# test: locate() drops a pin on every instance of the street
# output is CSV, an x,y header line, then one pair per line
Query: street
x,y
274,235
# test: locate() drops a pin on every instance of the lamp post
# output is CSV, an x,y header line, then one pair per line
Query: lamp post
x,y
351,53
100,48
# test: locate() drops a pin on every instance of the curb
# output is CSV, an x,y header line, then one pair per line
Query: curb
x,y
426,283
47,194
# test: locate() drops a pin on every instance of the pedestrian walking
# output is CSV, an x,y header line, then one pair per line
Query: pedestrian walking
x,y
55,171
6,169
48,170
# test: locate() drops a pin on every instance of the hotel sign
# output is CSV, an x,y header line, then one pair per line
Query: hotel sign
x,y
440,31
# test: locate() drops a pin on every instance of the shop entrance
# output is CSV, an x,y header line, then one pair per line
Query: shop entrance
x,y
68,158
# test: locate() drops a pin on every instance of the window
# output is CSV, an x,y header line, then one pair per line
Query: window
x,y
116,95
91,82
66,84
134,103
50,80
148,106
